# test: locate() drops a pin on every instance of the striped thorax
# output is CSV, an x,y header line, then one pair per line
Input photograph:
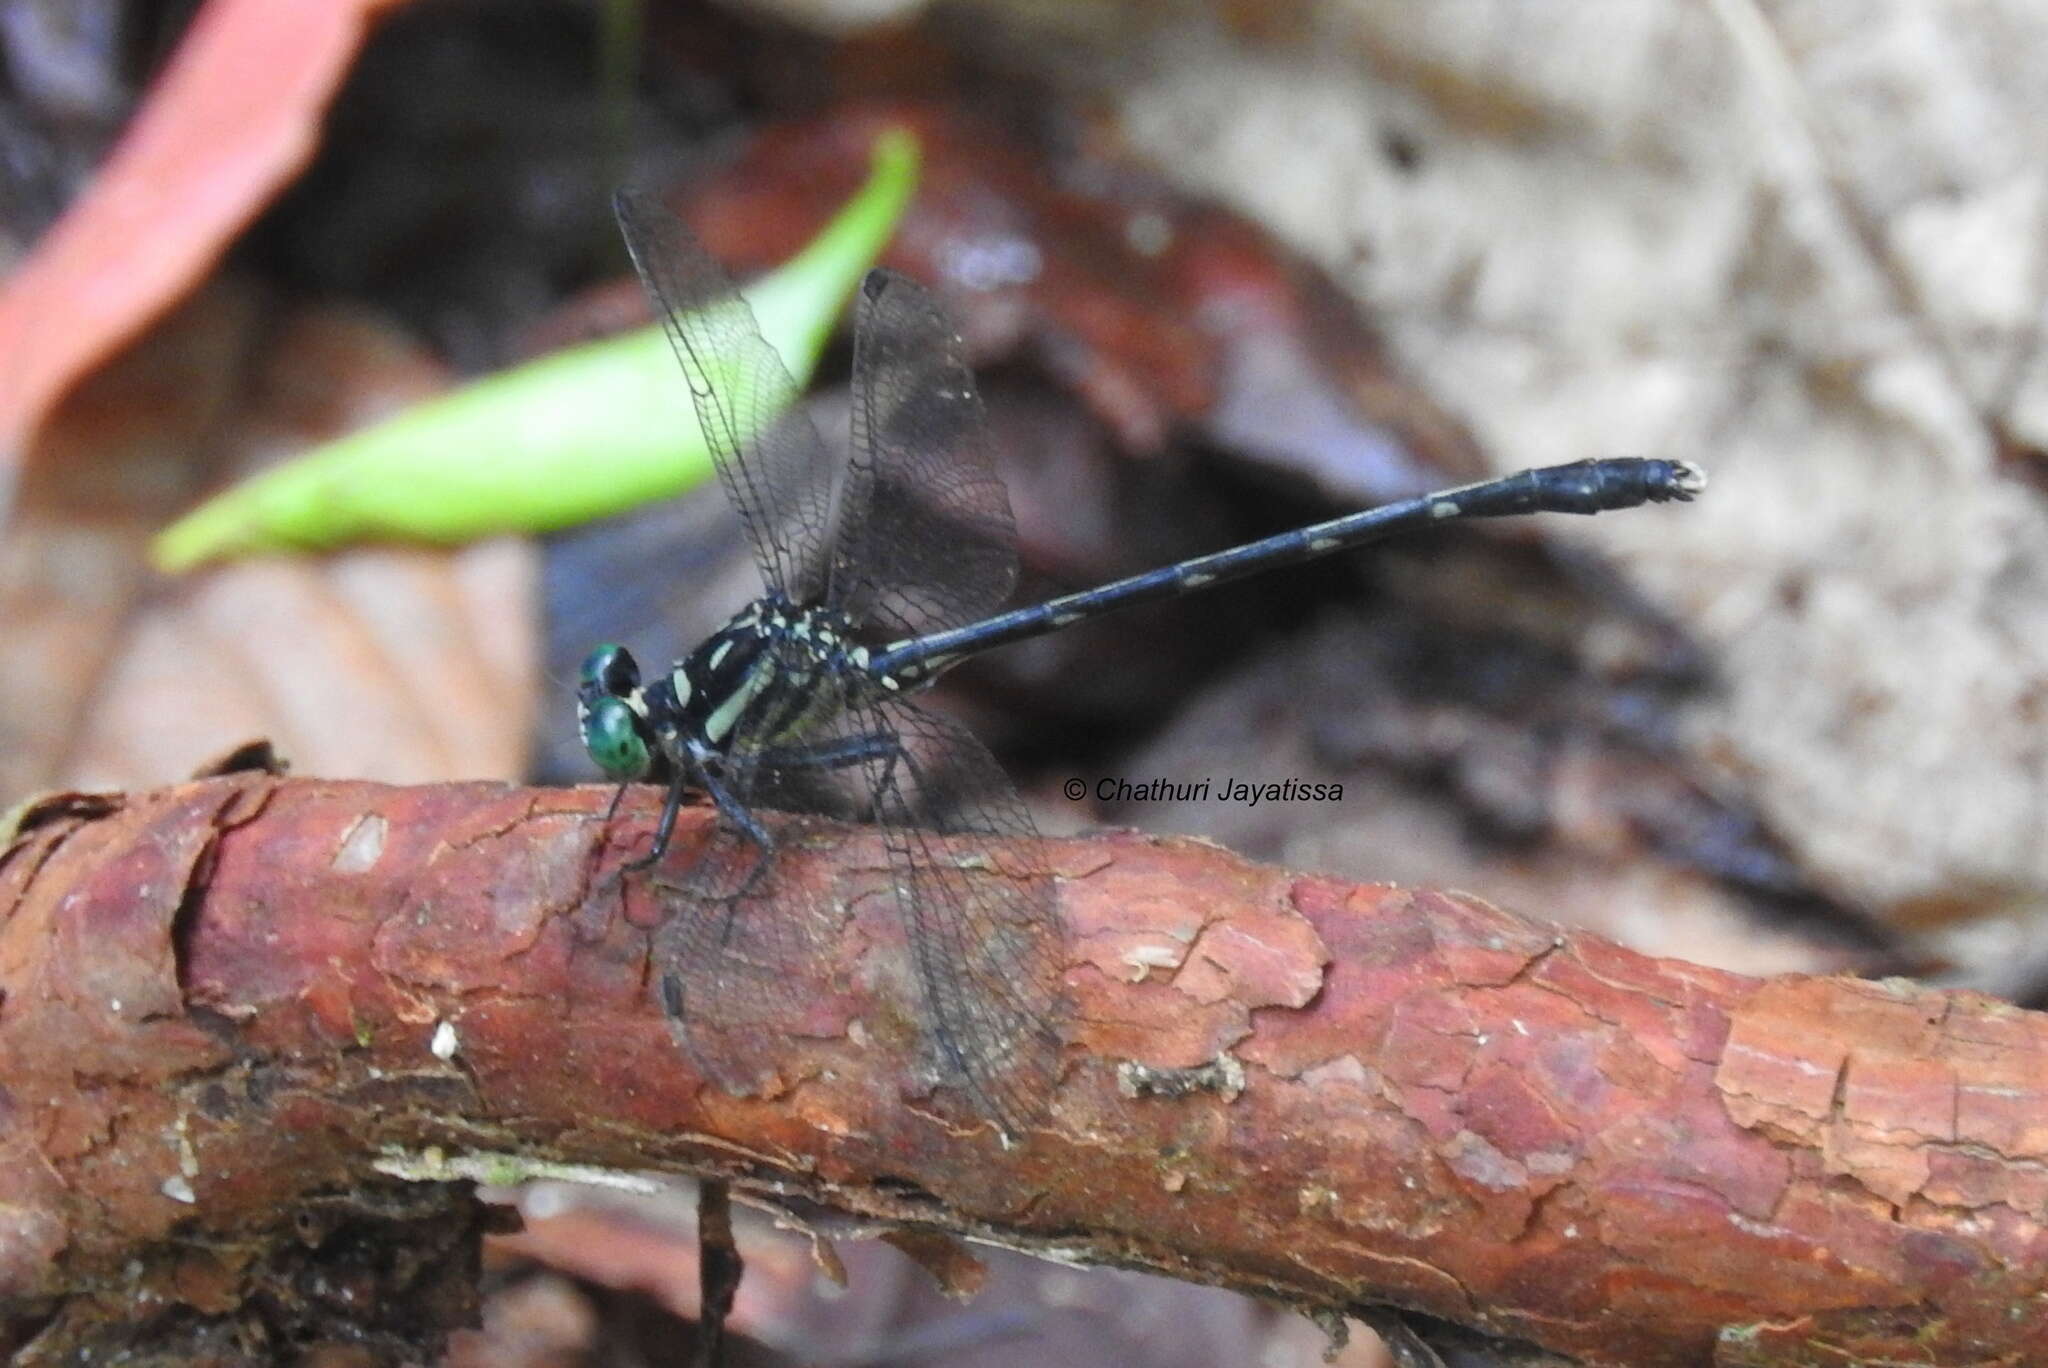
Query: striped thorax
x,y
774,674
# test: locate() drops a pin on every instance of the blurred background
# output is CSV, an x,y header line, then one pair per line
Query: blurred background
x,y
1223,268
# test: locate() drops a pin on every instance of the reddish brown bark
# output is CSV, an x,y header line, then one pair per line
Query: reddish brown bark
x,y
221,999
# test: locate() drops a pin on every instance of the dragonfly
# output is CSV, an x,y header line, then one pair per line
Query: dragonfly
x,y
882,569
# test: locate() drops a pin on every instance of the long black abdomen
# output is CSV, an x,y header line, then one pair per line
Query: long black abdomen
x,y
1581,487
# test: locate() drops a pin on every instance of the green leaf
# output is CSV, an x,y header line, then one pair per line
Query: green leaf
x,y
582,434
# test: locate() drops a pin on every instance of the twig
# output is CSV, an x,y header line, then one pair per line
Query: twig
x,y
228,1001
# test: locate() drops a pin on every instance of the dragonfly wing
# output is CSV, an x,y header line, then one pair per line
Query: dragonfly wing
x,y
982,929
977,944
776,470
925,537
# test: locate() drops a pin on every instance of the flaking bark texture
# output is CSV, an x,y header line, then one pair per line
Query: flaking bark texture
x,y
225,1001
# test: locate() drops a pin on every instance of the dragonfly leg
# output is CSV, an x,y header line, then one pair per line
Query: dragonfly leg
x,y
672,805
843,754
734,812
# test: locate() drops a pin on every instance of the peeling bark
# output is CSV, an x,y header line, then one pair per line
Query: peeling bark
x,y
226,1002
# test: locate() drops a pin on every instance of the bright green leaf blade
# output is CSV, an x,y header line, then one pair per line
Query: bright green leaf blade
x,y
582,434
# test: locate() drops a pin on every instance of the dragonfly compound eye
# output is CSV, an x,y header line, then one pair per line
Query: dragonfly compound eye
x,y
612,735
610,670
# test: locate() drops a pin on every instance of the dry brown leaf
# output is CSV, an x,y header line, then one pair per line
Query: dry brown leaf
x,y
117,460
402,664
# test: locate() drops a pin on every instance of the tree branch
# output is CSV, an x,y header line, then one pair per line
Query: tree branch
x,y
227,1002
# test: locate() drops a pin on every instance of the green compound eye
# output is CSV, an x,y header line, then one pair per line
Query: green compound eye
x,y
610,669
611,733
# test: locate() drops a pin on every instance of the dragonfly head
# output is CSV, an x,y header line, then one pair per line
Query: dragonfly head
x,y
612,716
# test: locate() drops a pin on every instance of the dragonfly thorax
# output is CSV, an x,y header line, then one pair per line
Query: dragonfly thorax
x,y
770,675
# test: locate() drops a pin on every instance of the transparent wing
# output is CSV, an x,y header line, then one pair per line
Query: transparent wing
x,y
729,959
980,944
985,941
925,539
775,469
